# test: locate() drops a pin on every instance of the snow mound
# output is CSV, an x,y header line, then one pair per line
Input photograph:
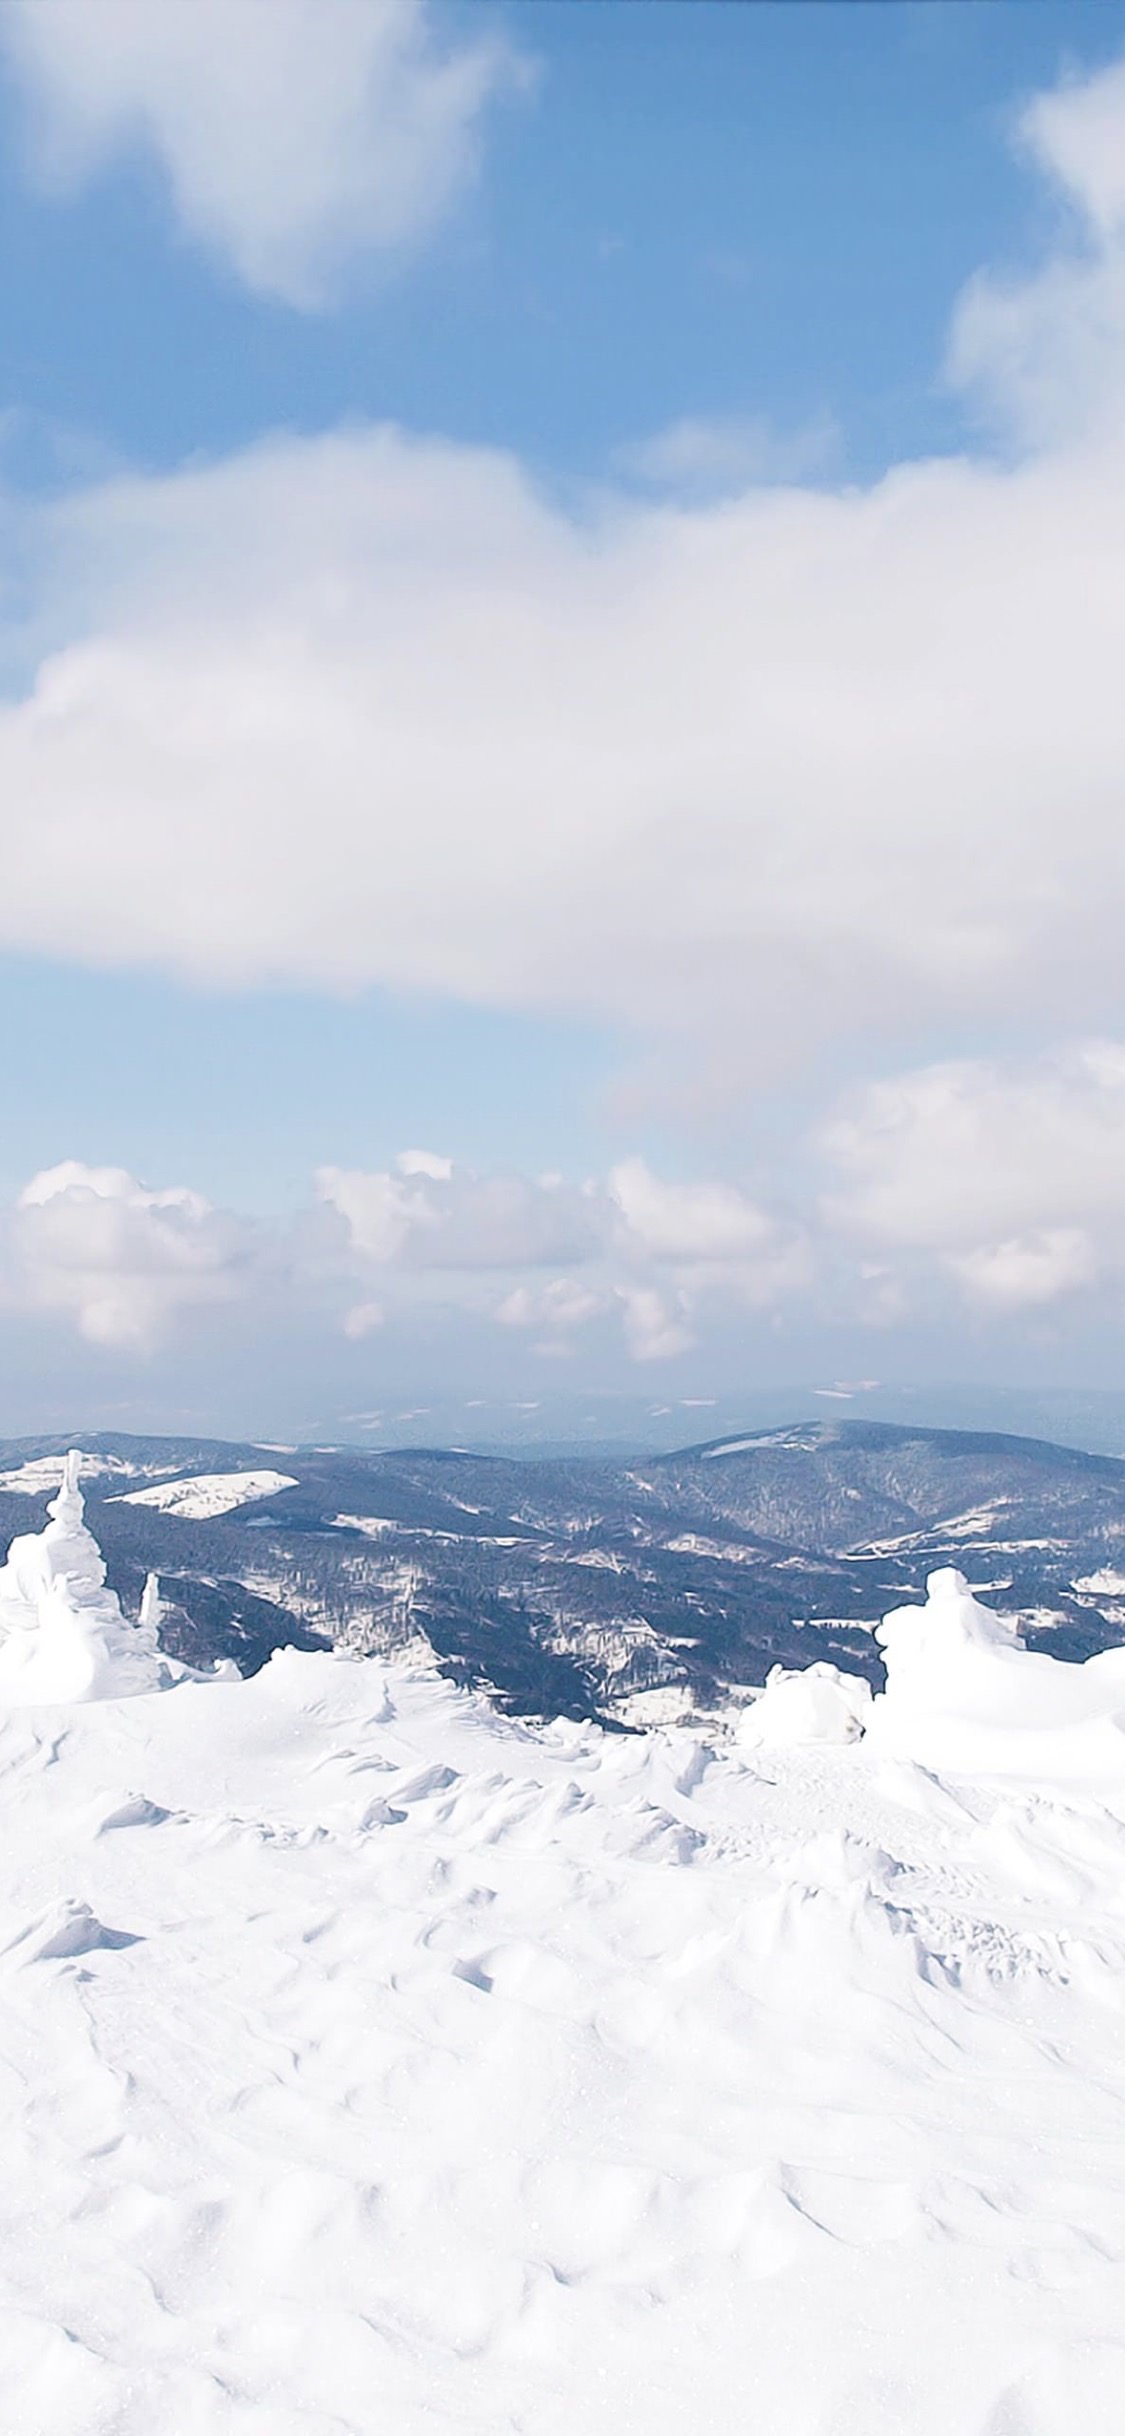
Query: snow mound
x,y
62,1634
807,1704
207,1494
964,1694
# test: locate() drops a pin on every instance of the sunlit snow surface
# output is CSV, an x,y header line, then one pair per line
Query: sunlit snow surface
x,y
374,2063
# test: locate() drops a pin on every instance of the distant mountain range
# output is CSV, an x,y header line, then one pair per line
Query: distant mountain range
x,y
630,1591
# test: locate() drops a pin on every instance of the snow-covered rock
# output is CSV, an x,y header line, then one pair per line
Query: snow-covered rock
x,y
62,1633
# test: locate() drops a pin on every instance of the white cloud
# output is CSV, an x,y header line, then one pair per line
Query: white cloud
x,y
1001,1185
657,1326
1044,353
658,1254
362,1320
1075,133
1030,1270
292,133
440,1217
424,1163
558,1311
754,775
123,1261
687,1222
365,711
1012,1176
126,1263
705,456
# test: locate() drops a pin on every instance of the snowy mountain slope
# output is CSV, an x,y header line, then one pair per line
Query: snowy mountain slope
x,y
40,1475
204,1495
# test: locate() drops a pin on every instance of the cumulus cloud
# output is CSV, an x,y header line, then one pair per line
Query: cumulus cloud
x,y
656,1325
1075,133
687,1222
655,1254
705,456
292,133
753,774
366,711
1001,1184
436,1216
556,1312
760,774
1030,1270
125,1262
1044,354
1011,1175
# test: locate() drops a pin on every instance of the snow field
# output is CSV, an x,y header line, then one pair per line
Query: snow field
x,y
373,2063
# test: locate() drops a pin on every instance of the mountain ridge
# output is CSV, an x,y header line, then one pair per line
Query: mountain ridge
x,y
588,1587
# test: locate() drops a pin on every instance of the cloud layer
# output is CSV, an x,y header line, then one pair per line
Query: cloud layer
x,y
293,134
787,775
123,1262
968,1193
1011,1176
788,768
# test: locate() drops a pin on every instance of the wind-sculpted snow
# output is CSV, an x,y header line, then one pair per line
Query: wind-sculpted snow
x,y
373,2062
807,1704
62,1633
964,1694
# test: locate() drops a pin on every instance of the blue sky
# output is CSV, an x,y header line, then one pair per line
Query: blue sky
x,y
670,776
708,210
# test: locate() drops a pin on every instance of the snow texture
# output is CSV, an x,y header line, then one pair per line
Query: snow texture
x,y
374,2062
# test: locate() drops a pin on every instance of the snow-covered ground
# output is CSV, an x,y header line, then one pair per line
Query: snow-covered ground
x,y
207,1494
374,2063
